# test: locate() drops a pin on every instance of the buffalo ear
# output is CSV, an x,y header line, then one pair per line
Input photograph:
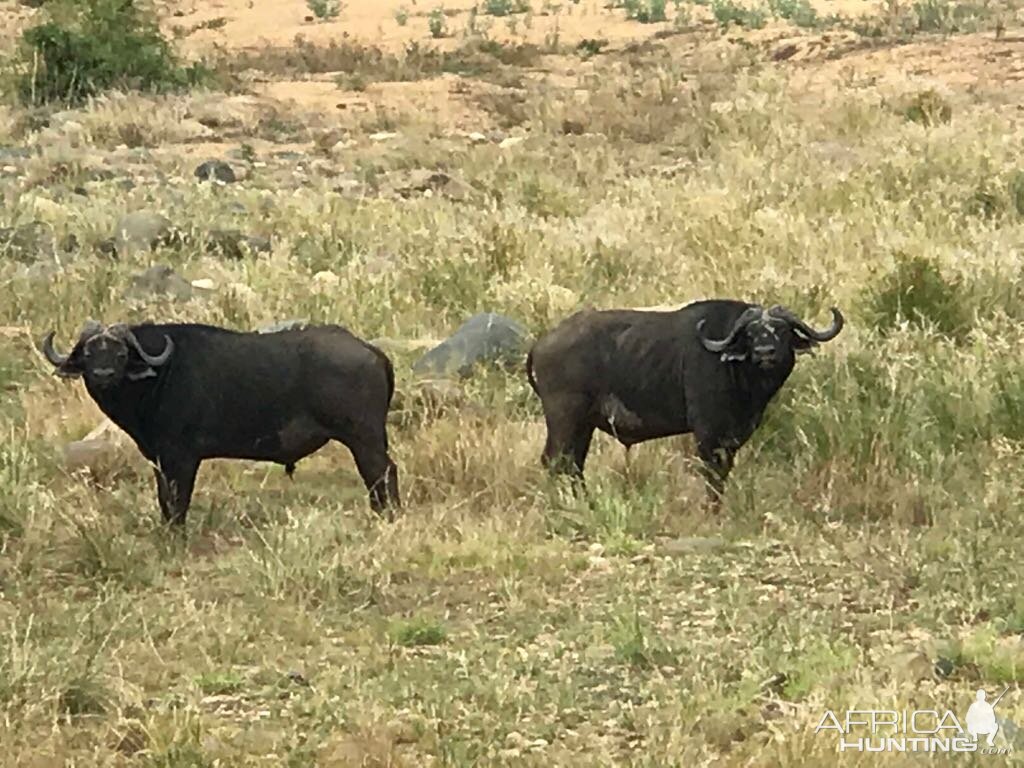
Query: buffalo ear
x,y
144,372
137,368
73,367
802,345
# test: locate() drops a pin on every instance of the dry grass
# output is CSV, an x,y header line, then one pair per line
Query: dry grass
x,y
500,621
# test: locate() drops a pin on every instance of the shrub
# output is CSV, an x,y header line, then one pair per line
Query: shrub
x,y
946,17
437,23
800,12
727,12
928,108
505,7
324,9
90,46
419,630
645,11
917,292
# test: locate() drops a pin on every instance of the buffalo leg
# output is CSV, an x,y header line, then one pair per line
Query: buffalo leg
x,y
568,440
717,464
379,474
175,480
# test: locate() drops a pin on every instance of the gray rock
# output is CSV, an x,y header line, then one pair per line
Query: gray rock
x,y
104,450
161,280
14,153
484,338
284,325
144,231
423,181
233,244
215,170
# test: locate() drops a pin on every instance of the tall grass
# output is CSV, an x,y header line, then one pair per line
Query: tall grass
x,y
504,620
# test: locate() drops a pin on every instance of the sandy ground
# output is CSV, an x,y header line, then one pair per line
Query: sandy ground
x,y
278,22
963,63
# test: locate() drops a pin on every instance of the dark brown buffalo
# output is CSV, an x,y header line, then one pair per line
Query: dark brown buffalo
x,y
709,368
185,393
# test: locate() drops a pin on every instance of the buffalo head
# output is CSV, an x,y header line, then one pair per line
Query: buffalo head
x,y
106,355
768,337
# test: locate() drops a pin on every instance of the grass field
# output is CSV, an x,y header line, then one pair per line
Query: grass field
x,y
869,551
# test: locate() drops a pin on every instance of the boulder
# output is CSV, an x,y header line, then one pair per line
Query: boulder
x,y
103,450
486,338
144,231
422,181
215,170
233,244
161,280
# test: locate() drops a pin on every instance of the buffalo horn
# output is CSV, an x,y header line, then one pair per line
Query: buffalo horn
x,y
719,345
806,330
52,354
148,358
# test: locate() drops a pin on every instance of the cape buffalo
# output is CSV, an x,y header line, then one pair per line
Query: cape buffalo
x,y
709,368
185,393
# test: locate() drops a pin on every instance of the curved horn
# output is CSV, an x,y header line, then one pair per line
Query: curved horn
x,y
153,360
718,345
52,354
827,335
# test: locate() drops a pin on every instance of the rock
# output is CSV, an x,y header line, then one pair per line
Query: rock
x,y
234,245
204,283
189,130
484,338
215,170
424,181
161,280
8,154
284,325
476,137
909,666
107,247
383,136
326,279
511,141
144,231
573,127
102,450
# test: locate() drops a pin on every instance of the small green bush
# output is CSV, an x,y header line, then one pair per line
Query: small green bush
x,y
917,292
324,9
437,24
928,108
800,12
645,11
86,47
727,12
947,17
418,630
